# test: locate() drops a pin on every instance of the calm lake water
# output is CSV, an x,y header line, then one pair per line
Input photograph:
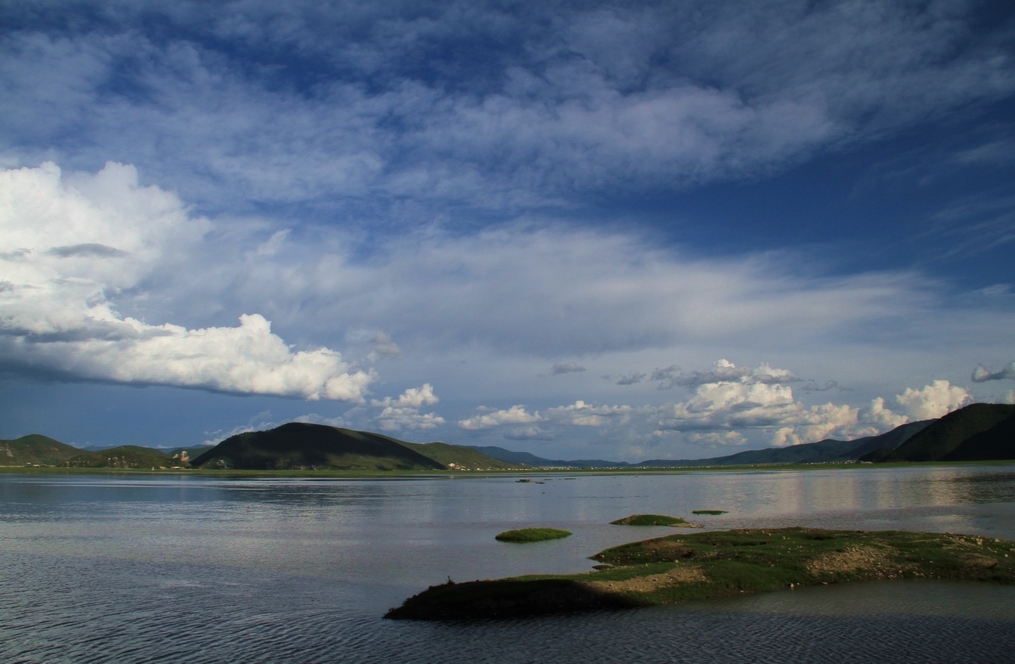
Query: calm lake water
x,y
138,569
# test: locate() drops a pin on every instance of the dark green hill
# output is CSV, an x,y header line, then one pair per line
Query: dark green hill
x,y
35,450
997,442
300,446
947,437
459,457
125,456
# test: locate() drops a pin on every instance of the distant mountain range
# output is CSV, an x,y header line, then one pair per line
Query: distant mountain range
x,y
979,432
825,451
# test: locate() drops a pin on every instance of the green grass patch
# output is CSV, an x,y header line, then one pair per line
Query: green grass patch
x,y
713,512
651,520
532,535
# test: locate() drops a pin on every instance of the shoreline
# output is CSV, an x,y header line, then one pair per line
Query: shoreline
x,y
458,474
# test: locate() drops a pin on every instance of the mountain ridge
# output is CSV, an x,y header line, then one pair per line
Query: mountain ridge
x,y
824,451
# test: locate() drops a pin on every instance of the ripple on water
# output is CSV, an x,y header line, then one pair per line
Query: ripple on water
x,y
118,612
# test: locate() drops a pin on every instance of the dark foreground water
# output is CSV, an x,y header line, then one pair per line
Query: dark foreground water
x,y
187,569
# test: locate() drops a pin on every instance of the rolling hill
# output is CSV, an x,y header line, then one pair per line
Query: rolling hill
x,y
300,446
35,450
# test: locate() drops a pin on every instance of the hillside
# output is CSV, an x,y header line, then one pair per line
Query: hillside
x,y
35,450
461,457
300,446
985,428
125,456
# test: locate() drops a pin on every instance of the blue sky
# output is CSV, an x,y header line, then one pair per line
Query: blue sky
x,y
629,231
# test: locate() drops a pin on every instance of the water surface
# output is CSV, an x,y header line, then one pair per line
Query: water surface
x,y
108,568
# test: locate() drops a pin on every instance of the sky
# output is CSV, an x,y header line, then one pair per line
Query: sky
x,y
628,231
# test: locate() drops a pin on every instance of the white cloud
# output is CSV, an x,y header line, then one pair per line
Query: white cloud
x,y
512,415
414,397
881,418
934,400
719,412
567,367
69,245
403,412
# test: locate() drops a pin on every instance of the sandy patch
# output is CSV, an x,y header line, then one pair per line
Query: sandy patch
x,y
851,560
646,584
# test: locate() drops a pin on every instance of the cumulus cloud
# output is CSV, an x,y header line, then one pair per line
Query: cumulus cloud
x,y
736,401
981,374
932,401
567,367
738,405
403,412
881,418
70,245
512,415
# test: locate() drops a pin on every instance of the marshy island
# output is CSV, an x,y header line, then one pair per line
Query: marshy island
x,y
684,567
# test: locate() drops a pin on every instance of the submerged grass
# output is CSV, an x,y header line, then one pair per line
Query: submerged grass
x,y
684,567
653,520
532,535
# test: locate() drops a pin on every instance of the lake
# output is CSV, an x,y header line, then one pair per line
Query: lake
x,y
186,568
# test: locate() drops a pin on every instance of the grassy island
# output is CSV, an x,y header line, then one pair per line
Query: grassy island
x,y
654,520
532,535
678,568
